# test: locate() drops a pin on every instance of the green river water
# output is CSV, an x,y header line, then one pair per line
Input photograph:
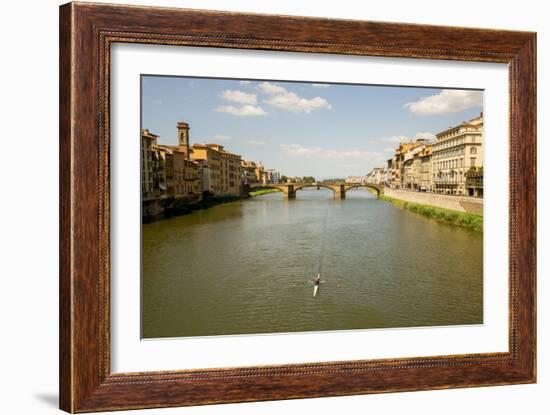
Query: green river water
x,y
245,267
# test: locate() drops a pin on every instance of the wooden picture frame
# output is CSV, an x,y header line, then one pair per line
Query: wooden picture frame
x,y
86,33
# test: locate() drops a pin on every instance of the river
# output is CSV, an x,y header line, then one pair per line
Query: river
x,y
247,266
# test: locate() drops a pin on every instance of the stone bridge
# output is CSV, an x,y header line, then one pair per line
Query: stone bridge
x,y
338,189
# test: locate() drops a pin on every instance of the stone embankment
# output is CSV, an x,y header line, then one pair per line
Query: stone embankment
x,y
459,203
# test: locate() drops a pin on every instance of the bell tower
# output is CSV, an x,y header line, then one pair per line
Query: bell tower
x,y
183,137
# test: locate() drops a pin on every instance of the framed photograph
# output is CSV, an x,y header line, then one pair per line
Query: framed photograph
x,y
258,207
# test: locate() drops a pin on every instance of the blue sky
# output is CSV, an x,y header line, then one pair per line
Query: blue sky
x,y
322,130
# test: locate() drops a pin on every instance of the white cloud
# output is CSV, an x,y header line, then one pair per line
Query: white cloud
x,y
447,101
271,89
294,103
320,85
244,111
257,143
222,137
244,82
239,97
283,99
327,153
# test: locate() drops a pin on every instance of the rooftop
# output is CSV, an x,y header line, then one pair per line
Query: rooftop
x,y
474,122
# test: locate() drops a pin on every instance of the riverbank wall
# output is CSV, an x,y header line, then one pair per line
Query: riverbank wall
x,y
153,211
458,203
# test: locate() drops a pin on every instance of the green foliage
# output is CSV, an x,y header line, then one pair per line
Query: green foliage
x,y
452,217
263,192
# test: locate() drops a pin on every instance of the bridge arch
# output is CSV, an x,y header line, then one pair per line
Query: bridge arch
x,y
259,186
317,185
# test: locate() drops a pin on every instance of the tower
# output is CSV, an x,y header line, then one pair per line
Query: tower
x,y
183,137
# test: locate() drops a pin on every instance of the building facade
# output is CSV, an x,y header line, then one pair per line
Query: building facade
x,y
412,177
451,165
248,172
181,175
455,152
474,182
148,146
391,172
376,176
220,168
261,175
425,157
273,175
210,163
403,169
173,175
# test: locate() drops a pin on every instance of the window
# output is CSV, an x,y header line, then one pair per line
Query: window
x,y
473,150
472,161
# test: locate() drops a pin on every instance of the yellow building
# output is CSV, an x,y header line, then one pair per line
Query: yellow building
x,y
230,172
148,144
453,164
474,182
456,151
210,167
248,172
392,172
178,175
376,176
415,167
185,171
182,174
425,157
404,167
192,178
261,176
220,169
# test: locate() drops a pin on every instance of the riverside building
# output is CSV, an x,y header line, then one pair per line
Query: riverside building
x,y
148,167
456,152
182,174
375,176
425,157
248,172
403,169
175,175
220,168
450,165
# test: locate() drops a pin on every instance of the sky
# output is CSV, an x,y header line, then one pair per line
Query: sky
x,y
299,128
